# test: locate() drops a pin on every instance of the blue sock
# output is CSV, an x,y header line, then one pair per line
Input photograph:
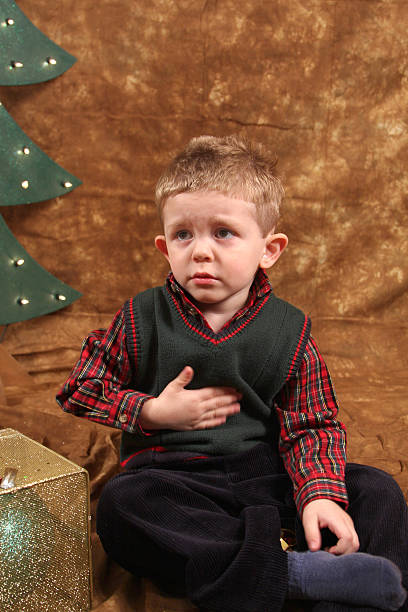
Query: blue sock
x,y
356,579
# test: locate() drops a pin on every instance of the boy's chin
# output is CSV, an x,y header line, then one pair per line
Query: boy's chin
x,y
201,298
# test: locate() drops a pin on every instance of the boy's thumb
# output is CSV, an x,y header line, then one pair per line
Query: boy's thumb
x,y
185,376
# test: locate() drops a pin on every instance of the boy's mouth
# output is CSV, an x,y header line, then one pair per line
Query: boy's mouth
x,y
203,275
203,278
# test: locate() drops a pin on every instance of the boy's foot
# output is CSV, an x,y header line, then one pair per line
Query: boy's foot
x,y
354,578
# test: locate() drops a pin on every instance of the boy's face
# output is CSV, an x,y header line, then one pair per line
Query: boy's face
x,y
214,246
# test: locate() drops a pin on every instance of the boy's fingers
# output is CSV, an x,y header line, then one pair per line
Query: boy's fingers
x,y
223,401
223,412
346,543
312,533
217,416
218,394
340,548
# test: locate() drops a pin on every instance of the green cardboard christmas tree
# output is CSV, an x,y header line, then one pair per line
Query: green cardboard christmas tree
x,y
27,55
27,174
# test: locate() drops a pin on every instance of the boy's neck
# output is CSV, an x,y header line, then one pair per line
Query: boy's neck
x,y
217,320
217,315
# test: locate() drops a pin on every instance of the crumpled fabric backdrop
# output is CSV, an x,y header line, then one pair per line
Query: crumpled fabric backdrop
x,y
324,83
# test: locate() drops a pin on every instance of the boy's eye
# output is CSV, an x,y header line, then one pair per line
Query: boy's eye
x,y
223,232
183,235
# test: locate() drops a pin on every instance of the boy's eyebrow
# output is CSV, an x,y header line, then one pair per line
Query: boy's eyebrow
x,y
177,223
223,220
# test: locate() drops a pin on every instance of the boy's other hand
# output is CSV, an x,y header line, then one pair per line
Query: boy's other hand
x,y
322,513
186,409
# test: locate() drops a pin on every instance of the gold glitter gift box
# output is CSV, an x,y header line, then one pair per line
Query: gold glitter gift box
x,y
45,562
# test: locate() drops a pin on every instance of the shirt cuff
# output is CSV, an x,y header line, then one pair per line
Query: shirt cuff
x,y
321,488
128,416
145,432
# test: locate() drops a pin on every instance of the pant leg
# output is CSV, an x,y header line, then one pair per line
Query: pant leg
x,y
188,528
380,514
328,606
379,511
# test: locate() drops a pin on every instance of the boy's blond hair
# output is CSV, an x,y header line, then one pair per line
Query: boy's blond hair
x,y
231,165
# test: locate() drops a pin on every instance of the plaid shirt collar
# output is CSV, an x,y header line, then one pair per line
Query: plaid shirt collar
x,y
260,287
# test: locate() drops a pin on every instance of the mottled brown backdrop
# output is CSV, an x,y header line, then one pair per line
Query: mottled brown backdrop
x,y
324,83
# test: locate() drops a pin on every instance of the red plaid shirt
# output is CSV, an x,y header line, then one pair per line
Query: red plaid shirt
x,y
312,441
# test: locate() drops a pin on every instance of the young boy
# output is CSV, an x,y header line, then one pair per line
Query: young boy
x,y
229,416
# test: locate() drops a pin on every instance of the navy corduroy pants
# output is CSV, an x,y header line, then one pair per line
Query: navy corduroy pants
x,y
209,528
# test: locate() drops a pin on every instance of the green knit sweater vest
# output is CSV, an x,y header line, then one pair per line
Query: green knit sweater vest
x,y
256,355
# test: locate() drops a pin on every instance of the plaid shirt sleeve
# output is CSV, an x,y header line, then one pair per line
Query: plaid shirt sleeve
x,y
312,442
98,387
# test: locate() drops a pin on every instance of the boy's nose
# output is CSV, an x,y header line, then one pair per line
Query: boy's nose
x,y
202,251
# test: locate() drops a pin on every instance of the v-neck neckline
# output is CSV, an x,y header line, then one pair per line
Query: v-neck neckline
x,y
227,332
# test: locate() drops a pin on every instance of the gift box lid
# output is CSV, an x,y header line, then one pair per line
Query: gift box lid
x,y
33,463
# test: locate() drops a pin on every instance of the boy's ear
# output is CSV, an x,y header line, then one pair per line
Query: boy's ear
x,y
275,244
161,245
